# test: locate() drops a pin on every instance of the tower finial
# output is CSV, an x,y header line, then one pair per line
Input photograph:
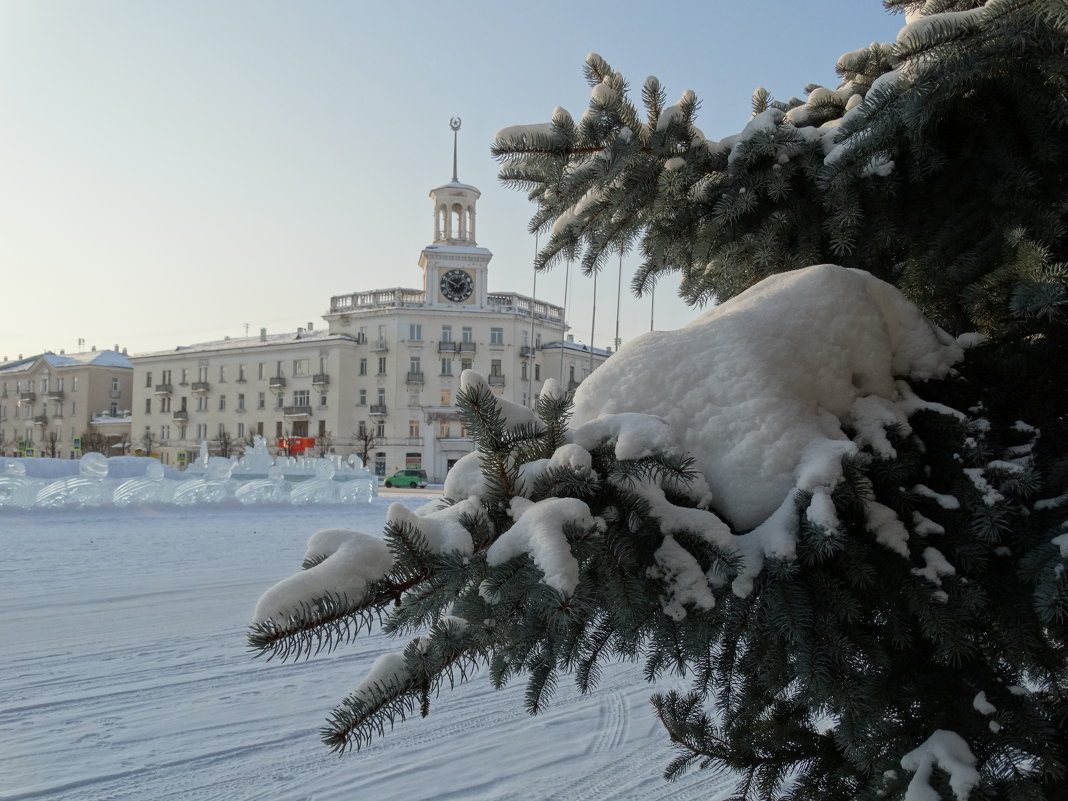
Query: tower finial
x,y
454,123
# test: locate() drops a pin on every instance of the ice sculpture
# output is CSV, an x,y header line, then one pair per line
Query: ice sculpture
x,y
273,489
88,489
321,489
153,488
215,486
15,488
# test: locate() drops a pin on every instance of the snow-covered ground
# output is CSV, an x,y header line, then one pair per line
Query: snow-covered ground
x,y
125,676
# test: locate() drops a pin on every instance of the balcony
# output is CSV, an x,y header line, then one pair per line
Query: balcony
x,y
164,389
526,350
415,378
496,380
297,412
27,398
380,345
276,384
40,420
181,416
201,387
54,396
115,394
572,385
448,347
320,380
467,347
377,408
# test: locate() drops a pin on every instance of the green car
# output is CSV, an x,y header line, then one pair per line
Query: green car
x,y
407,478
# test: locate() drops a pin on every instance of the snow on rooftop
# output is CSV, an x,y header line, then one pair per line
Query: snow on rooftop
x,y
99,358
301,335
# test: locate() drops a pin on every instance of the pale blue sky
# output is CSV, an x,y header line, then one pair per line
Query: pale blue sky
x,y
173,170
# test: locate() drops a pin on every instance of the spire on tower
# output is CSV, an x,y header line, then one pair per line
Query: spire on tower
x,y
454,123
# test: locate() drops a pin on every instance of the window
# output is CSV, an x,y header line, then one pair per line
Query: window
x,y
381,396
446,366
202,403
261,400
281,401
114,385
202,373
165,404
240,430
322,428
278,369
523,371
363,367
241,372
495,367
222,403
380,431
74,384
496,336
222,430
301,397
415,331
185,377
148,405
467,335
259,428
181,432
381,365
278,429
322,399
414,365
446,397
537,372
261,370
202,430
361,429
465,364
72,406
222,374
240,402
443,428
446,333
537,341
300,367
363,398
413,428
148,381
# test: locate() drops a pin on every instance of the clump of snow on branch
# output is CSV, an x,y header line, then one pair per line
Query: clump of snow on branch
x,y
441,527
352,561
947,751
769,392
539,531
765,387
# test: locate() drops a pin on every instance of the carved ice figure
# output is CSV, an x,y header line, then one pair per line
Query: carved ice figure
x,y
321,489
272,489
88,489
257,458
216,485
153,488
15,488
361,489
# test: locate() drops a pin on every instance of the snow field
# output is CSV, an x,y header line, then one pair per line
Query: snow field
x,y
125,676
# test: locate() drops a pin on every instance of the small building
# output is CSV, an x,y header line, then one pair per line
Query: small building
x,y
54,404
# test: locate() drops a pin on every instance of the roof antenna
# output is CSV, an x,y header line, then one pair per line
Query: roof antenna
x,y
454,123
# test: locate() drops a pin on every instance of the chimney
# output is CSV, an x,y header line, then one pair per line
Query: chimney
x,y
116,347
124,351
61,352
311,327
263,335
93,349
570,337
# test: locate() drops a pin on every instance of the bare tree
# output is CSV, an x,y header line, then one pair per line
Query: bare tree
x,y
324,443
227,445
95,442
148,441
50,444
365,440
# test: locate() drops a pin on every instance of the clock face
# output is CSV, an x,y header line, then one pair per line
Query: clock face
x,y
457,285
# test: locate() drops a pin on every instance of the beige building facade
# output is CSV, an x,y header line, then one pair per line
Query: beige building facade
x,y
61,405
380,379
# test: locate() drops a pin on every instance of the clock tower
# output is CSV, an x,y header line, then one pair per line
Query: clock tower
x,y
454,266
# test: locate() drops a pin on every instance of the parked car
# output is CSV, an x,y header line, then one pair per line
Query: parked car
x,y
407,478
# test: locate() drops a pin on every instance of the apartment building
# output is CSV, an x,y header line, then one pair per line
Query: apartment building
x,y
50,404
383,374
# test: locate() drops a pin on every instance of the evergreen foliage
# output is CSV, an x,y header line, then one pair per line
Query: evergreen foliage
x,y
938,164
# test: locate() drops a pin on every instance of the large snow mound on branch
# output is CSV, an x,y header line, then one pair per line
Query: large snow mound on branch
x,y
763,389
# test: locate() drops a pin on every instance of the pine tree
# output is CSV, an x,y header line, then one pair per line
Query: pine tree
x,y
916,639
